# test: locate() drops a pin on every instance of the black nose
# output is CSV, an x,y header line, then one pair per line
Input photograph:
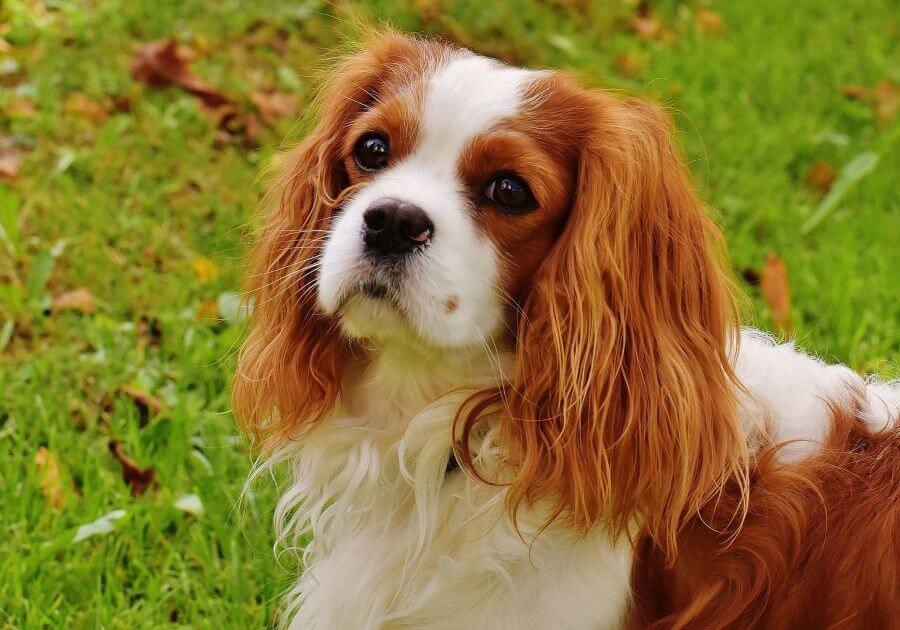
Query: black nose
x,y
396,227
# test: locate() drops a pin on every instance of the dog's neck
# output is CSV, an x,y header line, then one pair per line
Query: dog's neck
x,y
398,380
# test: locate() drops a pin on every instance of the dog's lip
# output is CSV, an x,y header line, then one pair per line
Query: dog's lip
x,y
372,289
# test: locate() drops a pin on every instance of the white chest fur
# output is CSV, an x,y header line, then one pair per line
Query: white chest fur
x,y
397,543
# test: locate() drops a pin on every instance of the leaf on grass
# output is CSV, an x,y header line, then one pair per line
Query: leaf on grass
x,y
644,24
38,275
853,171
21,108
79,300
709,21
83,107
50,477
887,100
149,332
232,308
205,268
189,503
137,478
273,106
10,158
819,177
776,291
147,404
166,62
233,127
854,92
103,525
630,64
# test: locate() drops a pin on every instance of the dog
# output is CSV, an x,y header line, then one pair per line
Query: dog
x,y
495,341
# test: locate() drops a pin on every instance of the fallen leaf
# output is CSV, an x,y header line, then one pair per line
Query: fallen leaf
x,y
83,107
887,100
166,62
645,26
10,157
147,404
206,269
50,477
21,108
273,106
776,291
750,276
137,478
149,332
819,177
79,300
103,525
855,92
630,64
853,171
190,504
709,21
208,311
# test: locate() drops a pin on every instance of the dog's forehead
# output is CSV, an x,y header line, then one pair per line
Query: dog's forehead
x,y
465,96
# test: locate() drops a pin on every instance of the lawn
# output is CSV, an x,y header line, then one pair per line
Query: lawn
x,y
144,198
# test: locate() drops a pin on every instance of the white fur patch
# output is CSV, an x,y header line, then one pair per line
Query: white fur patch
x,y
791,393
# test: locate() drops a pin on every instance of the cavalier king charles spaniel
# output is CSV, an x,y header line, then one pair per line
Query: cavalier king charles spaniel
x,y
495,341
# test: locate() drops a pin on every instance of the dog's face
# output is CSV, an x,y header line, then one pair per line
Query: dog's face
x,y
444,200
456,197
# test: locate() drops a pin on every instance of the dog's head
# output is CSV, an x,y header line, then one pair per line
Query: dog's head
x,y
446,200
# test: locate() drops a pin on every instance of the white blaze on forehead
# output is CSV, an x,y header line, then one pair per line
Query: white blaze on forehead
x,y
463,98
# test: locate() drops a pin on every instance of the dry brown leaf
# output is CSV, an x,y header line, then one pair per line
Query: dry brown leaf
x,y
166,62
21,108
273,106
645,26
709,21
855,92
10,157
887,100
630,64
819,177
50,477
83,107
138,479
149,332
776,291
147,404
206,269
79,300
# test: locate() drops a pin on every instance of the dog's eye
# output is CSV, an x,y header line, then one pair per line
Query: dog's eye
x,y
511,194
372,152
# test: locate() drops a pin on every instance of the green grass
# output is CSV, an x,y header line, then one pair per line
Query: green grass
x,y
125,205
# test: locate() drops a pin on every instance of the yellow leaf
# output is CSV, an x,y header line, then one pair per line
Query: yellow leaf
x,y
205,269
50,477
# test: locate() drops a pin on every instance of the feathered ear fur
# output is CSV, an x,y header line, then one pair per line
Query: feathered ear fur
x,y
622,408
290,367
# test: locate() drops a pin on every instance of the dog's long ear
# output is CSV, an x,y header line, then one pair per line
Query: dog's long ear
x,y
290,367
623,404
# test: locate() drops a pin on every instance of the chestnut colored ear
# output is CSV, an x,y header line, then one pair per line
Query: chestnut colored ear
x,y
622,409
289,372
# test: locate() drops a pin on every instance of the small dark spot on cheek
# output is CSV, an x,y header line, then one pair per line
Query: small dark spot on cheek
x,y
451,304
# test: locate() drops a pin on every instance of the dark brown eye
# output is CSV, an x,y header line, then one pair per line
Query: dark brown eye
x,y
511,194
372,152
